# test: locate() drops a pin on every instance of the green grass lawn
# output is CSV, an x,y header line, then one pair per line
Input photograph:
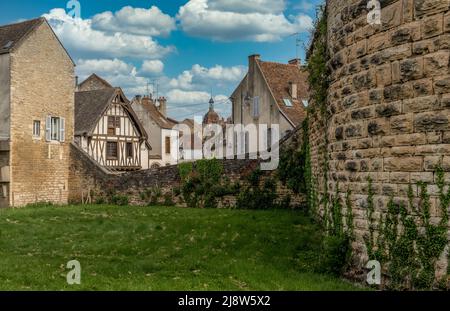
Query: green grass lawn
x,y
159,248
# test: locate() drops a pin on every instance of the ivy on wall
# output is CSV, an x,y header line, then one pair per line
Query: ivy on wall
x,y
408,242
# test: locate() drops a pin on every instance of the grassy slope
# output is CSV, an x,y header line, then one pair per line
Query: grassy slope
x,y
153,248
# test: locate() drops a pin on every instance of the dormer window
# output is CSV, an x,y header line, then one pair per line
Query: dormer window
x,y
287,102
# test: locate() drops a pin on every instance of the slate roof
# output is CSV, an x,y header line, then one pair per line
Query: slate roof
x,y
278,77
12,35
93,78
91,105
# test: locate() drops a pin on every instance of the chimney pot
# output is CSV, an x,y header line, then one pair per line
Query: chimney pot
x,y
293,89
295,61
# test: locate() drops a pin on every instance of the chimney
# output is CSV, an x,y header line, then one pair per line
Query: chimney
x,y
138,98
293,89
162,105
146,100
252,67
253,58
76,83
296,61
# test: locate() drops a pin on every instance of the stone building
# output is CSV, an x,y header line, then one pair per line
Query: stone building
x,y
388,105
107,128
37,84
271,93
163,135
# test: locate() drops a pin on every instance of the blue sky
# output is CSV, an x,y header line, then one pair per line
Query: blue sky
x,y
189,47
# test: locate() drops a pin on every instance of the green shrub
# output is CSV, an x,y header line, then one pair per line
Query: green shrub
x,y
336,253
168,200
120,200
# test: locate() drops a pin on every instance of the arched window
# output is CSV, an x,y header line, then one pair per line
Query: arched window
x,y
155,165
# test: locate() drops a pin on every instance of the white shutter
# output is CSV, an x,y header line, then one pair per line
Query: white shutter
x,y
48,128
256,107
62,129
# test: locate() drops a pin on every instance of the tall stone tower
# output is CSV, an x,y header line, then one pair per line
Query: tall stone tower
x,y
388,103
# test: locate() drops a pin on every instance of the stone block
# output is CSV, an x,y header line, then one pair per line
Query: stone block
x,y
436,64
389,109
407,33
429,7
402,124
378,127
420,104
431,121
411,69
432,26
422,87
403,164
442,84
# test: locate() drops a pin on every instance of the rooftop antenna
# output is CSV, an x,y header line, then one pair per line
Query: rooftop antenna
x,y
156,88
298,43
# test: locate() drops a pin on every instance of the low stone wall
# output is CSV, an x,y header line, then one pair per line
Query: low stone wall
x,y
89,182
4,174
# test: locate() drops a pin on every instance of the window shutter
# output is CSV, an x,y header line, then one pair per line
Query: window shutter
x,y
48,128
256,107
62,129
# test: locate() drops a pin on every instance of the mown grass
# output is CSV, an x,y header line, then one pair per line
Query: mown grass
x,y
160,248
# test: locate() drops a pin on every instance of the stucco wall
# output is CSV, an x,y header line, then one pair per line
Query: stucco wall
x,y
254,84
42,84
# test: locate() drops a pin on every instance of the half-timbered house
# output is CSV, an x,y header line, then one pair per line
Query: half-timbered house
x,y
107,128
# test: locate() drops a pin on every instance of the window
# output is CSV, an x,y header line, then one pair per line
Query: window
x,y
55,129
36,128
111,150
247,143
305,102
269,139
287,102
4,191
256,107
129,150
113,124
167,145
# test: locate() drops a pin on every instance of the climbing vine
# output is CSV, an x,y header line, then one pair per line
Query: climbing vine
x,y
408,242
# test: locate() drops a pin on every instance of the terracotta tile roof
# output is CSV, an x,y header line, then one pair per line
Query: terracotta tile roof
x,y
279,76
11,35
156,115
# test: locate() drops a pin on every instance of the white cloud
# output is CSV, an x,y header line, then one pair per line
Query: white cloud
x,y
249,6
199,76
198,101
79,36
85,67
152,67
138,21
216,20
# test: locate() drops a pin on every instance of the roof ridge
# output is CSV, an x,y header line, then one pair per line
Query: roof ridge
x,y
277,63
23,22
